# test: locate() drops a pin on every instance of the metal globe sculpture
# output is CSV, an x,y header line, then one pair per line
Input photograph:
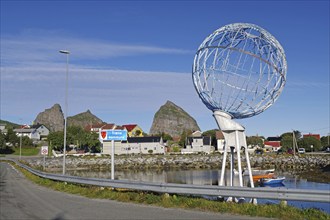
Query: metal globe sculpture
x,y
239,69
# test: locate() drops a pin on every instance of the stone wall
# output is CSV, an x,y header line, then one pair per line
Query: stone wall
x,y
213,161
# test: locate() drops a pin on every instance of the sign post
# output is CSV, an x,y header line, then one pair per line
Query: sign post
x,y
44,151
113,159
113,135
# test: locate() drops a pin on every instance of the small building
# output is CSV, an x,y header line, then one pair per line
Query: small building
x,y
34,132
3,128
28,132
197,143
274,143
220,141
97,127
136,145
42,130
133,130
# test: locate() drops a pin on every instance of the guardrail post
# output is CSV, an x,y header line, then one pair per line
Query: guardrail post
x,y
283,203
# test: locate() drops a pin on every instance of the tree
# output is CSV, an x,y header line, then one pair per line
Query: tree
x,y
2,141
92,141
307,142
183,137
56,139
75,135
26,141
254,141
287,142
166,137
325,141
287,139
11,137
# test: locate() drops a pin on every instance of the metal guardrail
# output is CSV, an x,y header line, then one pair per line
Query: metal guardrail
x,y
279,193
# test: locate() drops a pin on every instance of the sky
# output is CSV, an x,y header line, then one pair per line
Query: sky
x,y
127,58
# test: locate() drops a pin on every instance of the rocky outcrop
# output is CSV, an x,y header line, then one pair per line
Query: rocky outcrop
x,y
52,118
172,120
83,119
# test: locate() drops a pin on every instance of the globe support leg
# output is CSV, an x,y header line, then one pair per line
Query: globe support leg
x,y
234,140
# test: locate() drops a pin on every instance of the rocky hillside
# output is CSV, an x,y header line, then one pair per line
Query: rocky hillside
x,y
172,120
52,118
83,119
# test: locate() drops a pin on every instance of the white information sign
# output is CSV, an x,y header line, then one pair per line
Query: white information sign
x,y
44,150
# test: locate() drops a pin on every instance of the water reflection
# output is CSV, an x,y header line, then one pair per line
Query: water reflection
x,y
195,177
208,177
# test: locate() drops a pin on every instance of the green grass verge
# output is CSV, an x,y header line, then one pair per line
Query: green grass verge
x,y
25,151
177,201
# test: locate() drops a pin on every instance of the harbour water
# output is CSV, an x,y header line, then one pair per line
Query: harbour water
x,y
209,177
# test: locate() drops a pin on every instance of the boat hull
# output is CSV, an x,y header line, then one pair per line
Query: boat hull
x,y
262,176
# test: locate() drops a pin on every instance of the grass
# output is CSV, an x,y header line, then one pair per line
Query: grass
x,y
178,201
25,151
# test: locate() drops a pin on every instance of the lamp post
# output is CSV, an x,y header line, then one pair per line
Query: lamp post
x,y
66,104
20,141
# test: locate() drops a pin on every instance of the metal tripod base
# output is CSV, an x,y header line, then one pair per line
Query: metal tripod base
x,y
234,140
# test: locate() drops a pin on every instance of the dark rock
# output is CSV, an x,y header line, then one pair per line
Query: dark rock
x,y
52,118
84,119
172,120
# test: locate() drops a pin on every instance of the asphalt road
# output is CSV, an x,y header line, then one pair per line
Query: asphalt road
x,y
22,199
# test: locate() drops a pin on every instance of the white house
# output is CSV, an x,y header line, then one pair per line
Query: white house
x,y
136,145
34,132
41,129
28,132
196,143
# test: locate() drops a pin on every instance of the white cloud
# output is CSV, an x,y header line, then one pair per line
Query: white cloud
x,y
41,46
33,78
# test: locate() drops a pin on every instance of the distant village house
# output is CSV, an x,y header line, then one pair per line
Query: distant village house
x,y
197,143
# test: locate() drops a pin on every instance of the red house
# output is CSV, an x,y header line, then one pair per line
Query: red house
x,y
317,136
274,142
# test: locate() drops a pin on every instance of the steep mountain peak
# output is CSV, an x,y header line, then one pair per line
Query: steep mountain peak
x,y
173,120
83,119
52,118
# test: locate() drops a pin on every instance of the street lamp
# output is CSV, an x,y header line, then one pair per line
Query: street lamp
x,y
20,141
66,104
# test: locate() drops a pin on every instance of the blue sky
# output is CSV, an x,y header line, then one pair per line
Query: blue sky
x,y
129,57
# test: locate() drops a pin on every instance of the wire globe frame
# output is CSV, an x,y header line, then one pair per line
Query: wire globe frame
x,y
239,69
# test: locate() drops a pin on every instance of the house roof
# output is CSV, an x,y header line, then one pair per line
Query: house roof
x,y
219,135
92,126
274,139
196,134
129,127
100,125
37,126
25,130
143,139
273,143
108,126
317,136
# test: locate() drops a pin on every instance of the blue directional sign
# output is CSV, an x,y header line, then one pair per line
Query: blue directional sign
x,y
114,135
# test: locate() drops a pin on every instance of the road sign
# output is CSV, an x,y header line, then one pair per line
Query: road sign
x,y
114,135
44,150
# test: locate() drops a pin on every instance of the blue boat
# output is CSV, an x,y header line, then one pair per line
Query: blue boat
x,y
273,181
